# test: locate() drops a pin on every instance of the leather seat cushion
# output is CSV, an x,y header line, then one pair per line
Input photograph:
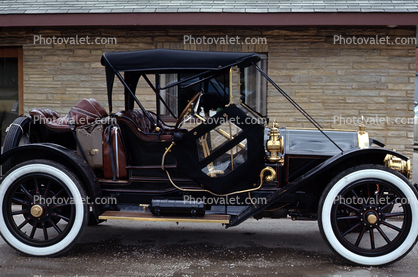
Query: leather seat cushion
x,y
51,119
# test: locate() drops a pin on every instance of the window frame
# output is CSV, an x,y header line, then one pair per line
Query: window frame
x,y
16,52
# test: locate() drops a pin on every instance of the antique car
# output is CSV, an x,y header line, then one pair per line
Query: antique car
x,y
201,153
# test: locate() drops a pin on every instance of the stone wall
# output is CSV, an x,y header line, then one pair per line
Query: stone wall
x,y
335,83
340,83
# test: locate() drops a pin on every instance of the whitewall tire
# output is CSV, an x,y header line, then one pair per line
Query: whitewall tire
x,y
369,215
43,208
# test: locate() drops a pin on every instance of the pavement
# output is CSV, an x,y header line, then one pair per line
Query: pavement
x,y
268,247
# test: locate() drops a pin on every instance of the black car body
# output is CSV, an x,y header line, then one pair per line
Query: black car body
x,y
219,163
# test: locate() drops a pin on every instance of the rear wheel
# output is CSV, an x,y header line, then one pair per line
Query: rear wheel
x,y
43,210
369,215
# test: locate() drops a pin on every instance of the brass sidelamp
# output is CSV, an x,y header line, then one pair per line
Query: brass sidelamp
x,y
275,144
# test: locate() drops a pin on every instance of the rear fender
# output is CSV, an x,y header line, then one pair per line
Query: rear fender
x,y
63,156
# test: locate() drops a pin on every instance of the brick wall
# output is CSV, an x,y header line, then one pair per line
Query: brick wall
x,y
330,81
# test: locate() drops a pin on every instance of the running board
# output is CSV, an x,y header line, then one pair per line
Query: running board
x,y
144,216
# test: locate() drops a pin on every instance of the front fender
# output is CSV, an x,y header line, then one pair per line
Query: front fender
x,y
348,159
62,155
318,177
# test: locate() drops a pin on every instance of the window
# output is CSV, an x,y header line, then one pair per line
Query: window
x,y
11,83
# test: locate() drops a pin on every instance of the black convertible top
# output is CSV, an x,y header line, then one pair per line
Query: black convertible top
x,y
137,63
167,60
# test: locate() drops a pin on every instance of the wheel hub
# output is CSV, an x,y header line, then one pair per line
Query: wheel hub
x,y
36,210
371,218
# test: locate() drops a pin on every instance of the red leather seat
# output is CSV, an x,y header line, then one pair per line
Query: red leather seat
x,y
85,112
139,123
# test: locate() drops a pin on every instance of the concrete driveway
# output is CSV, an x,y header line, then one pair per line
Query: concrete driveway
x,y
255,248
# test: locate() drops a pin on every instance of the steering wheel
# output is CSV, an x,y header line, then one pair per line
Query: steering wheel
x,y
189,110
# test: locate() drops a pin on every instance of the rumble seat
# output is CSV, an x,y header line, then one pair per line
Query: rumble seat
x,y
51,127
139,123
84,112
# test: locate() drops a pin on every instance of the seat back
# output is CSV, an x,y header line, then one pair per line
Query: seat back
x,y
87,111
145,146
142,127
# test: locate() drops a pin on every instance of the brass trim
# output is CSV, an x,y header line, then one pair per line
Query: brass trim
x,y
138,216
205,190
268,178
36,210
165,153
144,207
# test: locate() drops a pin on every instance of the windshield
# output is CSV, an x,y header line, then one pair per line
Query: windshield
x,y
215,92
248,88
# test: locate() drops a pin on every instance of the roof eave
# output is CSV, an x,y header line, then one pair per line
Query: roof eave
x,y
209,19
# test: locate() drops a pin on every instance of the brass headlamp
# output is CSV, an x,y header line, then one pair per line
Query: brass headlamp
x,y
396,163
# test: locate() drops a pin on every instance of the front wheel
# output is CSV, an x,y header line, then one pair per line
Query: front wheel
x,y
369,215
43,208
